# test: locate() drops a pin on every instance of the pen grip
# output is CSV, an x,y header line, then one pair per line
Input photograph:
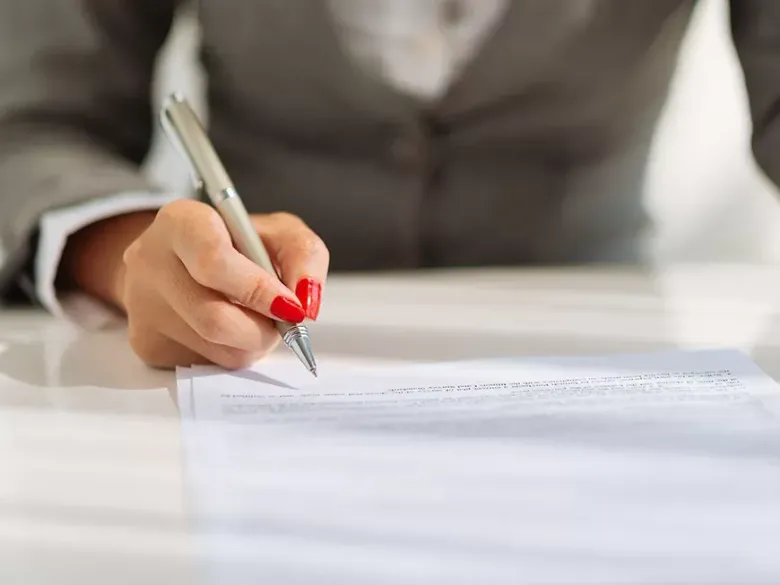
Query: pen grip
x,y
246,240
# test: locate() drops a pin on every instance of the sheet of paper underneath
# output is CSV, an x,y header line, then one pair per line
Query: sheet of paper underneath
x,y
657,468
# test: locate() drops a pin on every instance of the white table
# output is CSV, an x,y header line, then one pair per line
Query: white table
x,y
92,486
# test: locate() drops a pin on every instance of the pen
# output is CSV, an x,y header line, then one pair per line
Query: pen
x,y
185,130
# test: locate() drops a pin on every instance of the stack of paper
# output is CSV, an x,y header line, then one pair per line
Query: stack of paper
x,y
659,468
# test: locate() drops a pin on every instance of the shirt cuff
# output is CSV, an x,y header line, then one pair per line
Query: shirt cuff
x,y
55,228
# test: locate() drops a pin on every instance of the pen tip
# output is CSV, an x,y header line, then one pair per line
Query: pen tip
x,y
298,341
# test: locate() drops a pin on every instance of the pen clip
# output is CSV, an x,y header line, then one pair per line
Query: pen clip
x,y
182,126
175,139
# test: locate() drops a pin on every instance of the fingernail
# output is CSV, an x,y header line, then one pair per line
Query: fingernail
x,y
309,292
287,310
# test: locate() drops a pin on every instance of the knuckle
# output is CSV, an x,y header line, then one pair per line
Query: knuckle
x,y
131,254
169,215
209,263
214,325
254,294
139,343
310,244
193,222
140,255
286,218
175,210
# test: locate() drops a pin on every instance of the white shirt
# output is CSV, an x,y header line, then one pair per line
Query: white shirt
x,y
416,46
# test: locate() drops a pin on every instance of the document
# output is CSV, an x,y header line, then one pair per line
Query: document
x,y
669,387
653,468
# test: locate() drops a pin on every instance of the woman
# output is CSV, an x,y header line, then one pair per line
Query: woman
x,y
371,134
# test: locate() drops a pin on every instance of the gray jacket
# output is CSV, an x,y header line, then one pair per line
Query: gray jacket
x,y
535,155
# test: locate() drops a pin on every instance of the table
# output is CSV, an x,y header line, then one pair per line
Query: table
x,y
92,488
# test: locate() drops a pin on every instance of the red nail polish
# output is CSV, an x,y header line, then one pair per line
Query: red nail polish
x,y
287,310
309,292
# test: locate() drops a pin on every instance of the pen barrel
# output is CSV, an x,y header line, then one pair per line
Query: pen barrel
x,y
185,130
247,241
242,231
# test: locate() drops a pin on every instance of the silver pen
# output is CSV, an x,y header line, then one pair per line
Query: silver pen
x,y
185,130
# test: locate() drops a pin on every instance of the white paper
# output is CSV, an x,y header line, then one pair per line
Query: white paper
x,y
659,468
669,386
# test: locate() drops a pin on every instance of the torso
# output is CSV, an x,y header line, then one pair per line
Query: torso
x,y
525,144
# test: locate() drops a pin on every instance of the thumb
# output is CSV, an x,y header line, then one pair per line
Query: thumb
x,y
300,254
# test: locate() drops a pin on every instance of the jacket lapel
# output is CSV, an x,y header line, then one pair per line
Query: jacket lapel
x,y
531,34
337,74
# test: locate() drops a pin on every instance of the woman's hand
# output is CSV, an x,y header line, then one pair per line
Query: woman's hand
x,y
189,295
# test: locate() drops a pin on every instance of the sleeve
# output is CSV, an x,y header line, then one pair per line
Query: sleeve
x,y
75,108
55,228
755,26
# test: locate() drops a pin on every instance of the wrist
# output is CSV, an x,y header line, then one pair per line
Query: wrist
x,y
93,257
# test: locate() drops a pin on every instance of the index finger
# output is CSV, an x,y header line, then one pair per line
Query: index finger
x,y
203,244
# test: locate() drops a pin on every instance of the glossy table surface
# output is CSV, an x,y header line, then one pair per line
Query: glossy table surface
x,y
92,481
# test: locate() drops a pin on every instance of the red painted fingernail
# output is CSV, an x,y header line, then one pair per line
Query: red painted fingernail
x,y
287,310
309,292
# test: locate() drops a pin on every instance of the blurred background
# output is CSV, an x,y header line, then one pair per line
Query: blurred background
x,y
709,200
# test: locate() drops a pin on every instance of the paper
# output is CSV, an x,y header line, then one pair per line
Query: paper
x,y
689,386
653,468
